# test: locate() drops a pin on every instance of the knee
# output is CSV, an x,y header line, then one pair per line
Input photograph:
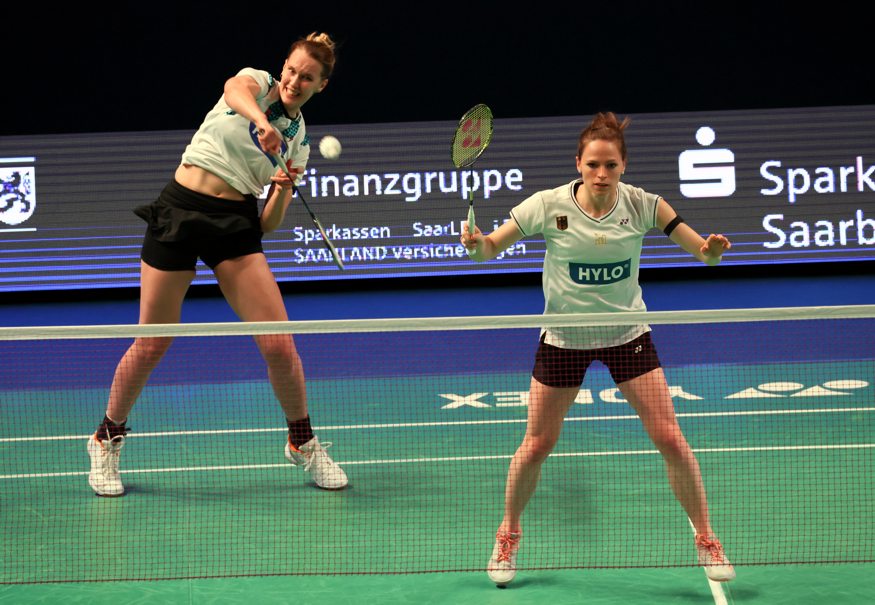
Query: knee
x,y
278,350
671,444
536,449
153,348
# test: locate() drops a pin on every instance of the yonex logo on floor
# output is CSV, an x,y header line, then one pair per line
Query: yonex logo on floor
x,y
770,390
507,399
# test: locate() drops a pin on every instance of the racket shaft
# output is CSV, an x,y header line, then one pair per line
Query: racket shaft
x,y
279,160
470,224
327,241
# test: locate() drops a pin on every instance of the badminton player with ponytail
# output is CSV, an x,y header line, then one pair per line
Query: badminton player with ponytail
x,y
209,211
594,229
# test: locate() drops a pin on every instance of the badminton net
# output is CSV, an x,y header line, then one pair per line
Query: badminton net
x,y
424,416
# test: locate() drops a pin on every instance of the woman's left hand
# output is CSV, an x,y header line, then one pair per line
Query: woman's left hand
x,y
715,246
281,179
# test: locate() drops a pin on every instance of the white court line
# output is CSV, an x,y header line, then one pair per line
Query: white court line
x,y
396,425
239,467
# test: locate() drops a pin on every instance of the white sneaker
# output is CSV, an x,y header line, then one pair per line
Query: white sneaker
x,y
712,558
502,565
316,461
104,477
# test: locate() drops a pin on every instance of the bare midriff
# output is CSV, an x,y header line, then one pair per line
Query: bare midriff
x,y
203,181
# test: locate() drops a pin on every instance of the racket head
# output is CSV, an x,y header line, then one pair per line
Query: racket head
x,y
472,136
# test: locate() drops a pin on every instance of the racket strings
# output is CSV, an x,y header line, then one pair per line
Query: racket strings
x,y
473,135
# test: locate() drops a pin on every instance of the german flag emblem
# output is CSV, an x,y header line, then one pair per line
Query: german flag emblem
x,y
562,223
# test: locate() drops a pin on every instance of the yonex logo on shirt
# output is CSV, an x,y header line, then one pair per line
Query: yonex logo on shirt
x,y
607,273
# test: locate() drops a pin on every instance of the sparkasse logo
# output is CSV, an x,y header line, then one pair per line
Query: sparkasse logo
x,y
706,172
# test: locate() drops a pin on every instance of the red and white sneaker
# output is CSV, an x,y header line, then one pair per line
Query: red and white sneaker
x,y
713,559
502,565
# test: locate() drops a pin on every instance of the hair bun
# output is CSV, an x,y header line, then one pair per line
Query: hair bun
x,y
322,38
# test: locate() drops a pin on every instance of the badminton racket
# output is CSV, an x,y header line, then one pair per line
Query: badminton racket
x,y
472,137
281,163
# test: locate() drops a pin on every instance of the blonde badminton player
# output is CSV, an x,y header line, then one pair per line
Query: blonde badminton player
x,y
594,228
209,211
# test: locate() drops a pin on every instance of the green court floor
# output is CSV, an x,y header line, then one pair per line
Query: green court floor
x,y
787,453
757,585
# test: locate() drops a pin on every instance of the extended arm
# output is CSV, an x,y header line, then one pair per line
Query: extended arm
x,y
709,251
487,247
240,95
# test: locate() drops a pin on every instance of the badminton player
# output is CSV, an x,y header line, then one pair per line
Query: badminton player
x,y
594,228
209,211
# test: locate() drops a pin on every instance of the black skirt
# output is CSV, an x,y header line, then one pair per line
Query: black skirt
x,y
180,214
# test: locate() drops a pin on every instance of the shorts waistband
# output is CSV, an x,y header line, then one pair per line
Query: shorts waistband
x,y
184,198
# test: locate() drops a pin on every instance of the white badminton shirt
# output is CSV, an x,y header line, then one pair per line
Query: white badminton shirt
x,y
226,143
591,264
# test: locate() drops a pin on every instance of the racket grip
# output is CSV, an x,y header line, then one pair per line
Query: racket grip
x,y
470,226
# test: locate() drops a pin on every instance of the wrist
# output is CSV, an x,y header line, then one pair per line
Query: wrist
x,y
713,260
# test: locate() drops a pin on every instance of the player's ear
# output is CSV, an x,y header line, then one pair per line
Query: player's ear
x,y
323,85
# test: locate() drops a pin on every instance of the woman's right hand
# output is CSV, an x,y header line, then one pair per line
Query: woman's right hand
x,y
269,139
469,240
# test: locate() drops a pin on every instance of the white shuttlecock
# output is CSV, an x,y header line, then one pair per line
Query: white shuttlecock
x,y
330,147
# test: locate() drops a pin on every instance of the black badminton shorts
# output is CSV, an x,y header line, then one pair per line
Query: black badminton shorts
x,y
566,368
185,225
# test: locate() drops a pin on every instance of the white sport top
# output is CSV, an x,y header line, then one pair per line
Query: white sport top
x,y
226,143
591,264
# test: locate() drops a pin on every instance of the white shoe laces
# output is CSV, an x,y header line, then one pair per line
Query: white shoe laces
x,y
317,450
110,453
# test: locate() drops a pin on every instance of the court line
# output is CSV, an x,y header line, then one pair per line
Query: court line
x,y
239,467
396,425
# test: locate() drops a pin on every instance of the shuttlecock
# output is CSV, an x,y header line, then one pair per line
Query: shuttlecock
x,y
329,147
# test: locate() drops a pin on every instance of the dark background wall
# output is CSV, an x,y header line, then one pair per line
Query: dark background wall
x,y
87,67
141,66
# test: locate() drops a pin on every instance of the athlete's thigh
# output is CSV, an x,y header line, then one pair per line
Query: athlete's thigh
x,y
649,395
162,293
250,288
548,407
